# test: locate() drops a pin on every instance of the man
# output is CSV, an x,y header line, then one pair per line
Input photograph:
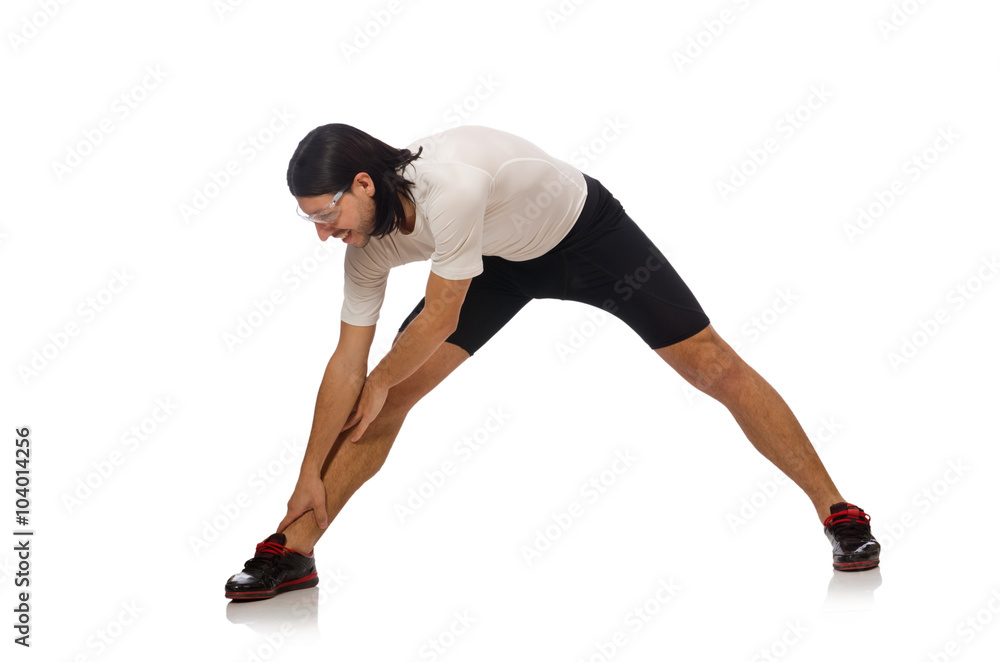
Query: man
x,y
502,223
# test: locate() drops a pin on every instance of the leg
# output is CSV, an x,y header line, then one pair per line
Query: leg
x,y
710,364
609,263
350,465
489,305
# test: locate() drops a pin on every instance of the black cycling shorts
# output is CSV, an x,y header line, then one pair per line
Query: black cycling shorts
x,y
605,261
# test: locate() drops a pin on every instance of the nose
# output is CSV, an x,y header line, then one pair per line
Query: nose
x,y
324,231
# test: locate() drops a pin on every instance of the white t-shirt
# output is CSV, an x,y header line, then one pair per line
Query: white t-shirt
x,y
477,191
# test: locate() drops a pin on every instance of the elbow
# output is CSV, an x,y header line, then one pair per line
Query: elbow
x,y
434,324
440,325
448,327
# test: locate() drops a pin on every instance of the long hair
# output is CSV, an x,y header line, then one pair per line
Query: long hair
x,y
330,156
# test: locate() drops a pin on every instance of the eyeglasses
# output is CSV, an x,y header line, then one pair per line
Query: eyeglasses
x,y
327,214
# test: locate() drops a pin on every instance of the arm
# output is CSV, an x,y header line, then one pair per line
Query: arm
x,y
338,393
455,208
421,338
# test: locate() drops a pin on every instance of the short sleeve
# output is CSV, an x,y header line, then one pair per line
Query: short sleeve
x,y
455,209
364,288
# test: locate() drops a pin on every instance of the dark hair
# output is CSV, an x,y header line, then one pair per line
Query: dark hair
x,y
330,156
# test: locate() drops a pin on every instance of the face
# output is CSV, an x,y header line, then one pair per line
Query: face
x,y
356,218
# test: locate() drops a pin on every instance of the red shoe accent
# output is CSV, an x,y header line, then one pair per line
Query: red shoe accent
x,y
251,594
297,581
859,565
273,548
850,515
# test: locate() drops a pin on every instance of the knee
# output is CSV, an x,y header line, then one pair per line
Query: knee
x,y
716,370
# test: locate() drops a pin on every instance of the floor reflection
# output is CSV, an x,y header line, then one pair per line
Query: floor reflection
x,y
852,591
294,614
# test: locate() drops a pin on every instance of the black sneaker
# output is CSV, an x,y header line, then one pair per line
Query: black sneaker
x,y
273,569
854,547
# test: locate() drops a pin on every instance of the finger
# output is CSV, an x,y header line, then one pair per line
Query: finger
x,y
362,426
321,519
351,420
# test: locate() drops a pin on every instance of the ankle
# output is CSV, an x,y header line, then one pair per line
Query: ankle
x,y
823,505
296,544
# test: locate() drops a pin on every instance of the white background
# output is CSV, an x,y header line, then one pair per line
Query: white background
x,y
895,431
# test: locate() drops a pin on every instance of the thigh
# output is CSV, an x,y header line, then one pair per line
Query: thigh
x,y
617,268
492,300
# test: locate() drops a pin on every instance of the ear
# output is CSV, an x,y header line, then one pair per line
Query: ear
x,y
363,182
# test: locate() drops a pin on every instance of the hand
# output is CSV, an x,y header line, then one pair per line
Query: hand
x,y
367,408
309,494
